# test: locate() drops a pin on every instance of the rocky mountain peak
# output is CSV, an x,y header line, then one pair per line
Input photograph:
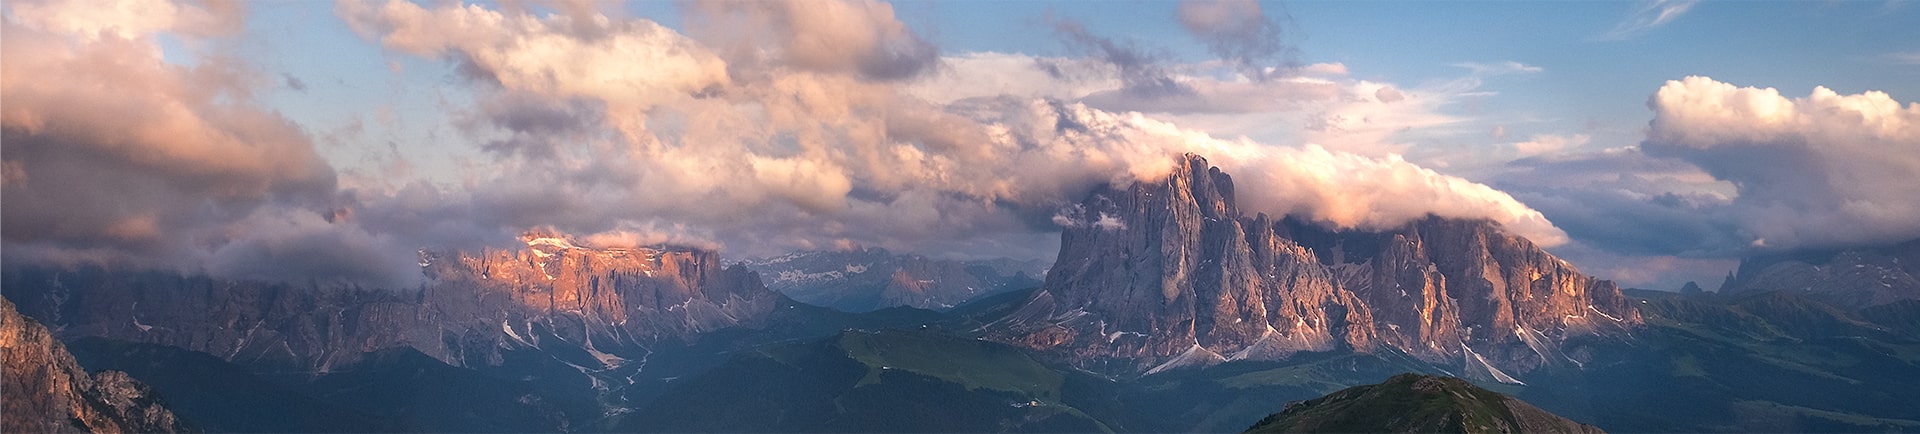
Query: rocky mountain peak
x,y
47,391
1170,273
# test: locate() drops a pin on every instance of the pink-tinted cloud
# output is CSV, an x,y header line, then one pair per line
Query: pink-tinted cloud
x,y
809,130
794,150
1820,170
123,157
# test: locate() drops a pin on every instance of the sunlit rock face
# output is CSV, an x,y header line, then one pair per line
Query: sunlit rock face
x,y
48,392
473,306
625,293
1161,275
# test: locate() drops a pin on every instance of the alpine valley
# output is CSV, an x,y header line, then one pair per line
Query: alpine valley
x,y
1168,309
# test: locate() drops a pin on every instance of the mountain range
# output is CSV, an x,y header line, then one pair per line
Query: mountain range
x,y
1162,275
1167,309
868,279
47,391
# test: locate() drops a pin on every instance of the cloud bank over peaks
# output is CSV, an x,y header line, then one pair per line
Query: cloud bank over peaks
x,y
1816,171
812,130
790,150
115,155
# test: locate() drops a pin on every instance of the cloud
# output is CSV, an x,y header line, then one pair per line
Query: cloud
x,y
635,234
1817,171
978,75
1319,103
94,20
1351,190
1097,83
811,130
126,158
631,66
1548,144
294,82
1623,201
1110,223
779,155
532,126
1648,15
1142,70
841,36
1240,33
1903,58
304,248
1338,188
1501,68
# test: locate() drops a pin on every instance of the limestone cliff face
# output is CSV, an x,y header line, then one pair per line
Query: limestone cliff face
x,y
46,391
1436,282
475,305
590,296
1168,274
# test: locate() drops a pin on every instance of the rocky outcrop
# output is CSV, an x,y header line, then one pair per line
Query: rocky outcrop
x,y
869,279
1166,274
46,391
473,306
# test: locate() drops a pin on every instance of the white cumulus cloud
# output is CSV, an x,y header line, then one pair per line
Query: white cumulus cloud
x,y
1813,171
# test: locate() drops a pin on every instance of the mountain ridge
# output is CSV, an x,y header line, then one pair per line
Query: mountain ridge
x,y
474,306
47,391
1167,274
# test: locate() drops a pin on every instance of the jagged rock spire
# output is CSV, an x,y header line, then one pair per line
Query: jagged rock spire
x,y
1171,273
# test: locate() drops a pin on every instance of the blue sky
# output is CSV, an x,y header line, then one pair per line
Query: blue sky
x,y
1590,82
435,129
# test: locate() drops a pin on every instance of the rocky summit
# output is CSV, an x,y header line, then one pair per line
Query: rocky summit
x,y
472,306
1169,274
47,391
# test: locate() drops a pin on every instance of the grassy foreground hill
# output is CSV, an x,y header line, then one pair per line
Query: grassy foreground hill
x,y
1416,403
